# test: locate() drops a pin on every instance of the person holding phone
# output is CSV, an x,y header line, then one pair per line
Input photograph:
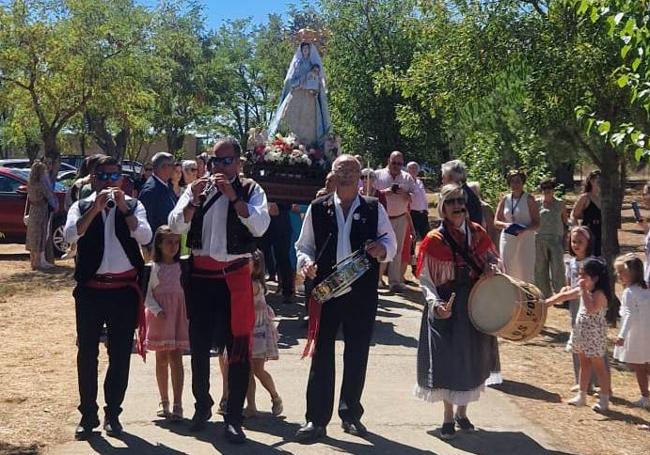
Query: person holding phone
x,y
398,186
518,218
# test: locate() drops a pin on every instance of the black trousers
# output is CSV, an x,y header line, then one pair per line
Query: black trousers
x,y
208,308
118,309
420,223
280,237
355,313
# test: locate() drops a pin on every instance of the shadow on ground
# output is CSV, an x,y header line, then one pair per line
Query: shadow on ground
x,y
484,442
529,391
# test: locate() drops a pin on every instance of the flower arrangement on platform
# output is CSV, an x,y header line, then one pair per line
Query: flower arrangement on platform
x,y
287,150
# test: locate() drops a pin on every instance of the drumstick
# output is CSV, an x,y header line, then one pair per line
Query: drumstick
x,y
450,302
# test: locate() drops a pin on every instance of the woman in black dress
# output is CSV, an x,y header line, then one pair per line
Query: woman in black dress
x,y
587,209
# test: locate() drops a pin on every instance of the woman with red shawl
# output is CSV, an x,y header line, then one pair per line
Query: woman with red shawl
x,y
455,361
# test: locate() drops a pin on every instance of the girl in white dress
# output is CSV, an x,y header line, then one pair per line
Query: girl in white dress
x,y
633,342
518,217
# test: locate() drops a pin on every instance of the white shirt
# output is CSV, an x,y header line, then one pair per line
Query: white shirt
x,y
306,244
396,204
115,259
419,197
214,223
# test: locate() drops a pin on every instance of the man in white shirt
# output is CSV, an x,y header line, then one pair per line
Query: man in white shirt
x,y
398,186
108,228
335,226
224,217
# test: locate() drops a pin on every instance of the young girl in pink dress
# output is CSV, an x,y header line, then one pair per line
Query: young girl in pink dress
x,y
265,342
167,326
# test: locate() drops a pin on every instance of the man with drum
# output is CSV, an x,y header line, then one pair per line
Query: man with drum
x,y
335,226
225,216
455,361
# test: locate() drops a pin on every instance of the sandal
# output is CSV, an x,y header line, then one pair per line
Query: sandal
x,y
177,412
277,407
464,424
163,409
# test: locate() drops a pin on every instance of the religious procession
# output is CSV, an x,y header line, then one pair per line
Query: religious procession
x,y
438,302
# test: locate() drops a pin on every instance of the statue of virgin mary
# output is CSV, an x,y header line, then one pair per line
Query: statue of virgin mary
x,y
303,103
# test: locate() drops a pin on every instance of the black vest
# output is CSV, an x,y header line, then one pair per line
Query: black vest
x,y
239,239
90,246
364,227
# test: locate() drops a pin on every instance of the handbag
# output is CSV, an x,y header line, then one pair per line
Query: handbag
x,y
26,212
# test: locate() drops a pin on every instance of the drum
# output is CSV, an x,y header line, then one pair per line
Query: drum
x,y
345,273
503,306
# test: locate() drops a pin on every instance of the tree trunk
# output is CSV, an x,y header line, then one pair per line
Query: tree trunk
x,y
50,147
31,149
175,141
611,190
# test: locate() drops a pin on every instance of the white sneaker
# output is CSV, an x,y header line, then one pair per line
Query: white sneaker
x,y
602,405
579,400
643,402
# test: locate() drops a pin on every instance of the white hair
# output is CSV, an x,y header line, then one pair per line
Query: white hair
x,y
455,169
369,173
413,164
160,159
187,164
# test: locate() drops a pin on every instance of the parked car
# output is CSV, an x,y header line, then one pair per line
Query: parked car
x,y
13,196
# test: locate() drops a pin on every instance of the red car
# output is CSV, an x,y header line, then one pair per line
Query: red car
x,y
13,195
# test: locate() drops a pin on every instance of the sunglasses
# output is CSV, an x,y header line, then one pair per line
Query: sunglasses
x,y
544,188
225,161
148,169
104,176
364,177
397,163
193,169
455,200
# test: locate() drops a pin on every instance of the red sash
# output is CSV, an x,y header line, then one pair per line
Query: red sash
x,y
237,275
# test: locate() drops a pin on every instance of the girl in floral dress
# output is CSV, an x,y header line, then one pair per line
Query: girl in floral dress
x,y
265,342
167,326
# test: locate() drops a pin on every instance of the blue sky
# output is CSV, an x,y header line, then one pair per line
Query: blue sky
x,y
216,11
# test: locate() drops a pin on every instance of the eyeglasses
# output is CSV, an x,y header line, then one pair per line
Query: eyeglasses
x,y
455,200
225,161
104,176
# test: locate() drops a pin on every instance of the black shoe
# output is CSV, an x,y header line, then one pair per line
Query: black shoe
x,y
464,424
354,428
85,428
234,434
310,432
199,420
448,430
113,427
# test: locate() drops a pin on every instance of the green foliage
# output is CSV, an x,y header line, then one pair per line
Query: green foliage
x,y
488,163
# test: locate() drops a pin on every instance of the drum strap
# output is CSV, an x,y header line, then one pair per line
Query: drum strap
x,y
457,250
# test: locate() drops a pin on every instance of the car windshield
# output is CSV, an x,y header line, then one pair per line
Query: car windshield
x,y
24,174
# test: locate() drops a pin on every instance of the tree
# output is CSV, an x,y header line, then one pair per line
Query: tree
x,y
56,52
179,49
365,38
